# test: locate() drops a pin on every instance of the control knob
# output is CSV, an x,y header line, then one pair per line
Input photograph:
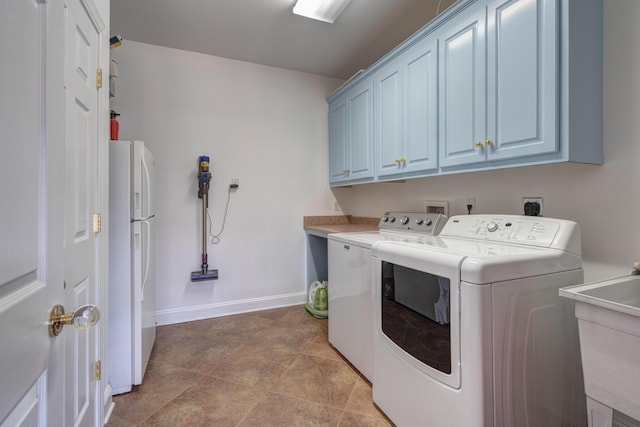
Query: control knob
x,y
492,226
392,219
404,220
428,222
419,221
385,218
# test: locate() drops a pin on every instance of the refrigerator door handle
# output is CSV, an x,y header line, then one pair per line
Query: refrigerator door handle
x,y
148,256
146,218
147,190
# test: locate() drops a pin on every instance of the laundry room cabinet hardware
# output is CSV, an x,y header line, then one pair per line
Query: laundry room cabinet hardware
x,y
487,84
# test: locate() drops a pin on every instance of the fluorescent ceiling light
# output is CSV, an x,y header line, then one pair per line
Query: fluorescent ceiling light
x,y
322,10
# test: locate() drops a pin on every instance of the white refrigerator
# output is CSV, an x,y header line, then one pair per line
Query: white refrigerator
x,y
132,295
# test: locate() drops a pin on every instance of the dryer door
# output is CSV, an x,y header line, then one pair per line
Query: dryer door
x,y
416,308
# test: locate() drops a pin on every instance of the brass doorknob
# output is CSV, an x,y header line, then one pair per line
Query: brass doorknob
x,y
83,318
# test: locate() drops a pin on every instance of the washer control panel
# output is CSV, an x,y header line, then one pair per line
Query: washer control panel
x,y
413,222
524,230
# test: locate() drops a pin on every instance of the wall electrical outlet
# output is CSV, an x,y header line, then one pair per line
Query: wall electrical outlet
x,y
532,206
470,205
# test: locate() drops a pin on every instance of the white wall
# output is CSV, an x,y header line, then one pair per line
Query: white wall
x,y
602,199
265,126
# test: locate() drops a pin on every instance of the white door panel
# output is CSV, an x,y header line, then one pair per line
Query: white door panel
x,y
26,287
48,192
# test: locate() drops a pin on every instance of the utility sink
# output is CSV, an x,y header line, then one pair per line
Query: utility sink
x,y
608,315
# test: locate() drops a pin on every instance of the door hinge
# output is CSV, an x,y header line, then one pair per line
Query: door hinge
x,y
97,222
99,78
97,371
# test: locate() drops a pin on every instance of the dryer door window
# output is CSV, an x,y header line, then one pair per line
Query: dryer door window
x,y
416,308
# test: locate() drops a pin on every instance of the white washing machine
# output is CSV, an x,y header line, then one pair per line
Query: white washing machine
x,y
350,290
470,329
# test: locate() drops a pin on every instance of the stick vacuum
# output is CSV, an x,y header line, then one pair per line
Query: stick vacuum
x,y
204,176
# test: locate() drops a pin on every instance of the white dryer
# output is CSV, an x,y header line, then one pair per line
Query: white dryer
x,y
470,329
350,290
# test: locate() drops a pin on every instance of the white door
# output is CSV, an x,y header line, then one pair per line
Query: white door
x,y
47,196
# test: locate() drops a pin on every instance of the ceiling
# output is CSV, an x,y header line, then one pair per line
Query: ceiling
x,y
267,32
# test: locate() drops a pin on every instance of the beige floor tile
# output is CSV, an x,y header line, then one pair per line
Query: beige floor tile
x,y
356,420
278,313
361,402
252,368
301,319
248,322
325,381
363,384
192,350
283,338
115,421
320,347
210,402
161,384
276,410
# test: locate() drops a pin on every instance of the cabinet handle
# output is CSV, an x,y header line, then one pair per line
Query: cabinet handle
x,y
345,171
397,161
479,144
403,160
488,142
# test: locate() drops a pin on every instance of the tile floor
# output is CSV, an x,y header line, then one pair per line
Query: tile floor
x,y
267,368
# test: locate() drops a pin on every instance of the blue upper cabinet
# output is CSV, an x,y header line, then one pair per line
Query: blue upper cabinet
x,y
405,92
420,121
487,84
351,136
463,89
509,110
338,128
522,78
388,119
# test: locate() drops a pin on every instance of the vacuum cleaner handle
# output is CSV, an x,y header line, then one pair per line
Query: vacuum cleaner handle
x,y
204,177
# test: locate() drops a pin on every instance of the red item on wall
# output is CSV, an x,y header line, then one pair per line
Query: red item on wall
x,y
115,126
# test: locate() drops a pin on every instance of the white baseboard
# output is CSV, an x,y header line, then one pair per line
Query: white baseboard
x,y
200,312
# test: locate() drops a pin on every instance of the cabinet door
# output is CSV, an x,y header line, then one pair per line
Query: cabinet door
x,y
388,131
522,81
420,128
360,133
462,89
338,141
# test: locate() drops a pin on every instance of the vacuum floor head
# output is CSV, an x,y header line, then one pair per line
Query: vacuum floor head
x,y
199,276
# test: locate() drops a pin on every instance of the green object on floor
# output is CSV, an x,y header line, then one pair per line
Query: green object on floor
x,y
318,300
320,314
